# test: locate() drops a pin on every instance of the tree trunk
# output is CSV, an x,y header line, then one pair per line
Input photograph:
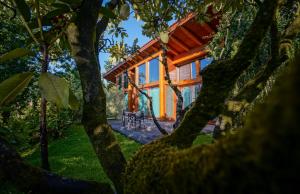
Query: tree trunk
x,y
34,180
162,130
94,120
43,116
219,78
263,157
179,105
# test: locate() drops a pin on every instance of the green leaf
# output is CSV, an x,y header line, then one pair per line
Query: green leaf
x,y
60,5
12,86
72,3
16,53
164,37
55,89
124,11
24,9
73,101
55,13
107,12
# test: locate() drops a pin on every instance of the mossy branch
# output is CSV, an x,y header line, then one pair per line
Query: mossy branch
x,y
162,130
219,78
179,111
263,157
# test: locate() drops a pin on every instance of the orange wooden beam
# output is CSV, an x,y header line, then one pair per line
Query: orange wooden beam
x,y
148,54
172,51
139,56
155,49
208,29
191,35
194,53
179,43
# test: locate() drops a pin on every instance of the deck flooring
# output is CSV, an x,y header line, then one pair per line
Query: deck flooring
x,y
148,131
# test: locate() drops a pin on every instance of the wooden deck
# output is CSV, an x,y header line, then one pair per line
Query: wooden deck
x,y
148,131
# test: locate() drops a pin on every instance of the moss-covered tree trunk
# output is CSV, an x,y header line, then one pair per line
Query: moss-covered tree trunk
x,y
81,35
263,157
219,79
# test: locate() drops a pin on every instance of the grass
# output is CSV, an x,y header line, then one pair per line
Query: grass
x,y
203,139
73,156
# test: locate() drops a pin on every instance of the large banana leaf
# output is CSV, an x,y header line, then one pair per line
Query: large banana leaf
x,y
16,53
55,89
12,86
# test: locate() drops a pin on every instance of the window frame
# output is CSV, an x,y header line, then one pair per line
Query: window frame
x,y
145,71
149,72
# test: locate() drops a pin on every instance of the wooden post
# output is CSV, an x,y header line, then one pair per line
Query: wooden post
x,y
197,62
130,92
162,93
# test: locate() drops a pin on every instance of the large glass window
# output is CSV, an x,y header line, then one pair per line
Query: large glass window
x,y
205,62
125,78
186,94
154,70
142,74
193,70
119,82
143,103
154,93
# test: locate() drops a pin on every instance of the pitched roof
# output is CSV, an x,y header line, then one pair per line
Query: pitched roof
x,y
185,35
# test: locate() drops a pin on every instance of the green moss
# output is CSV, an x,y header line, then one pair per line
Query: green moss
x,y
263,157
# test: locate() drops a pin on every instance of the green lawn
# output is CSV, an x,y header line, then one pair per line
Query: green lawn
x,y
203,139
73,156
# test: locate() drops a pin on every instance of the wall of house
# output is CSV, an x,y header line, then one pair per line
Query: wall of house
x,y
149,76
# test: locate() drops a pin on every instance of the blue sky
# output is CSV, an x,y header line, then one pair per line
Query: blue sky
x,y
134,30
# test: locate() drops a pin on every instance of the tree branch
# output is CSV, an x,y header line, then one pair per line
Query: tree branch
x,y
179,111
81,38
219,78
102,24
162,130
254,160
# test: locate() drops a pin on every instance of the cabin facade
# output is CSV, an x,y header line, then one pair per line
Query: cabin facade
x,y
186,58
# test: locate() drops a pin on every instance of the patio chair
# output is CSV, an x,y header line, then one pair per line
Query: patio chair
x,y
131,120
140,117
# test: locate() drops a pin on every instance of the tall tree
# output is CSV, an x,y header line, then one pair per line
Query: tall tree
x,y
163,166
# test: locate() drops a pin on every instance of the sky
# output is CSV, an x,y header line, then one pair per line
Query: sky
x,y
134,30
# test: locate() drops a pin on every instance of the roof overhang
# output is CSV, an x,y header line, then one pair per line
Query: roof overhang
x,y
185,35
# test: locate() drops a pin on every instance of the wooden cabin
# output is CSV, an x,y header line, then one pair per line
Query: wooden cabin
x,y
186,58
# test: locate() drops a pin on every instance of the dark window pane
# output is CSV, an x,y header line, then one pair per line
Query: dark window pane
x,y
120,82
154,70
125,80
194,71
142,74
205,62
